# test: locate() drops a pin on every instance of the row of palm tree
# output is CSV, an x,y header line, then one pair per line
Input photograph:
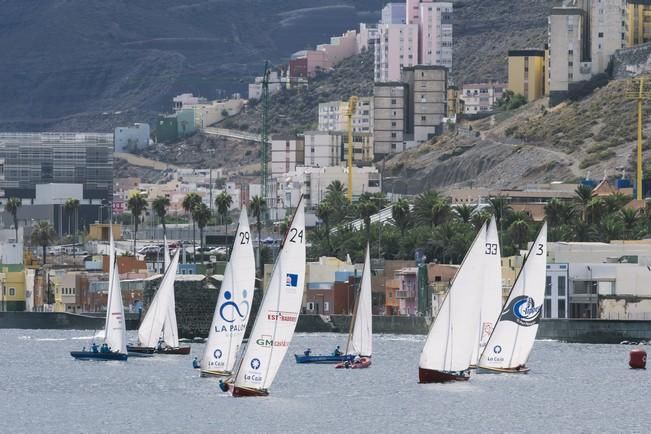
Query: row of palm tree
x,y
444,232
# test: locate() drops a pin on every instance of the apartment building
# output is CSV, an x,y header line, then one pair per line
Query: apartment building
x,y
330,148
435,34
393,13
427,102
333,116
286,153
608,31
389,117
480,97
398,47
638,17
526,71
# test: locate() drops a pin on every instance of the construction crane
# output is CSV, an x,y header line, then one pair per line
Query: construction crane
x,y
352,105
640,91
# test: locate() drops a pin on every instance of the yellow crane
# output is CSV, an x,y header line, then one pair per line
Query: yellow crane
x,y
640,91
352,105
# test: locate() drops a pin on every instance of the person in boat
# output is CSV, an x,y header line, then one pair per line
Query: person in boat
x,y
195,363
94,348
337,351
307,352
347,364
223,386
105,348
357,359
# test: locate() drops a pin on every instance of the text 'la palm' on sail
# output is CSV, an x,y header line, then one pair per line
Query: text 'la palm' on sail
x,y
115,331
360,339
452,338
512,339
233,306
276,320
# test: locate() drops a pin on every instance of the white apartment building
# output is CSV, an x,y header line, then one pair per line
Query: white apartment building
x,y
333,116
389,122
286,154
435,34
608,31
275,85
398,47
480,97
330,148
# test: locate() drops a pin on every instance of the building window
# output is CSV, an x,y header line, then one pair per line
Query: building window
x,y
326,306
12,291
548,286
561,286
601,34
561,308
393,101
548,308
393,124
393,135
423,118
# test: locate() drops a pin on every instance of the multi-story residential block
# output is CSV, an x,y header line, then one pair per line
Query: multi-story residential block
x,y
275,85
393,13
427,102
367,37
527,73
286,154
435,34
638,17
330,148
131,138
608,31
333,115
398,47
480,97
389,117
306,63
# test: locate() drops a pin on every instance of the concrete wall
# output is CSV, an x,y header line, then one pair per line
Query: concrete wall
x,y
594,330
59,320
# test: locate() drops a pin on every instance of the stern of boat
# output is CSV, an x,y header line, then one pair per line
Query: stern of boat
x,y
240,392
426,376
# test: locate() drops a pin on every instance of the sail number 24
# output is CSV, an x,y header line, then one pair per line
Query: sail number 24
x,y
295,235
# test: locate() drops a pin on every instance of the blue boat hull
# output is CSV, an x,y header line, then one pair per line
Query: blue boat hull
x,y
89,355
322,359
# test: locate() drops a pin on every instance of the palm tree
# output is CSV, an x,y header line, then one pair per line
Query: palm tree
x,y
583,197
190,203
202,217
72,209
630,218
431,208
137,203
257,206
401,215
500,207
324,213
480,217
12,208
366,207
336,187
595,209
159,205
223,203
336,197
519,231
464,212
43,235
612,227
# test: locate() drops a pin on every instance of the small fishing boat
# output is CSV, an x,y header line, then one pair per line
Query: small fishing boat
x,y
158,331
233,307
511,342
115,332
452,337
360,337
276,320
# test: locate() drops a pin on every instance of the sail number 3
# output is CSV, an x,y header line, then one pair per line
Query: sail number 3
x,y
491,249
294,234
539,250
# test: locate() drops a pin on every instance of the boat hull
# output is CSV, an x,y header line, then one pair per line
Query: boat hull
x,y
486,370
174,350
364,362
140,350
321,359
215,374
89,355
240,392
426,376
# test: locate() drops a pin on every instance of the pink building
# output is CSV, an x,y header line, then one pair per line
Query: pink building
x,y
340,47
398,47
407,293
307,62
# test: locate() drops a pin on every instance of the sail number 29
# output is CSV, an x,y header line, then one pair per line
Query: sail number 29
x,y
244,238
294,234
491,249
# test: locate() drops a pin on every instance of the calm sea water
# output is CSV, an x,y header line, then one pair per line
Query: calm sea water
x,y
571,388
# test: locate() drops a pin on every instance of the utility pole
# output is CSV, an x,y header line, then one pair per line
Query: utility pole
x,y
352,105
640,91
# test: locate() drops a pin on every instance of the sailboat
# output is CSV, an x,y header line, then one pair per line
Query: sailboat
x,y
491,293
448,349
276,320
115,332
159,325
510,344
360,339
233,306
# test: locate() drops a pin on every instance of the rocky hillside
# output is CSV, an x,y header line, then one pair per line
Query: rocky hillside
x,y
596,136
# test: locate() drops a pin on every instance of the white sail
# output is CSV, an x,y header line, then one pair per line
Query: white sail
x,y
170,327
153,325
361,339
115,330
491,293
512,340
453,335
233,305
166,254
276,320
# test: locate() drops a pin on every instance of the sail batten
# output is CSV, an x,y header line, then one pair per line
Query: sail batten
x,y
234,303
276,320
512,339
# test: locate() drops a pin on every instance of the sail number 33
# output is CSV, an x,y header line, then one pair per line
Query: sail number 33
x,y
491,249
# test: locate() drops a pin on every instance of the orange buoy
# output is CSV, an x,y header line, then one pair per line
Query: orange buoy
x,y
637,358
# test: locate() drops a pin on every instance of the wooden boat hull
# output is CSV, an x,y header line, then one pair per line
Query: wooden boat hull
x,y
240,392
486,370
426,376
89,355
215,374
140,350
321,359
174,350
364,362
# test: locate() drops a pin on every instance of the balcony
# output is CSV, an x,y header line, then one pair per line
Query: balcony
x,y
404,294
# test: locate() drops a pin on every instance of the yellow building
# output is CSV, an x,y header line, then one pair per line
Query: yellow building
x,y
638,14
511,267
527,73
101,231
454,104
12,280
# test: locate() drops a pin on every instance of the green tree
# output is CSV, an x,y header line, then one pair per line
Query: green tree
x,y
464,212
72,209
160,205
596,209
431,208
324,213
583,197
401,215
43,235
480,217
336,198
500,207
223,202
630,218
202,217
137,204
190,202
366,207
519,231
12,208
257,206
